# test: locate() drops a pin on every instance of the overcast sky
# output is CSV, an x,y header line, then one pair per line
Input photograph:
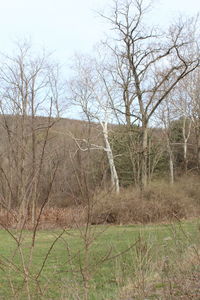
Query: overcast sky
x,y
68,26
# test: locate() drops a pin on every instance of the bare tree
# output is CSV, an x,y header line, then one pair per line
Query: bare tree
x,y
27,91
90,91
192,91
181,103
150,63
166,116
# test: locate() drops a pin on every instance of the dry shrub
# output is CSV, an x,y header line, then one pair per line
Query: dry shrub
x,y
158,203
190,185
50,218
180,282
63,217
8,218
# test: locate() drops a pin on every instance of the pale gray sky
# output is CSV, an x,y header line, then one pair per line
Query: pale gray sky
x,y
68,26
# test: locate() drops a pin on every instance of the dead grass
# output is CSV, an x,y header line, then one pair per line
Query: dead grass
x,y
174,277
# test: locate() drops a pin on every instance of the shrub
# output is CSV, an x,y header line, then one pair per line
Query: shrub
x,y
158,203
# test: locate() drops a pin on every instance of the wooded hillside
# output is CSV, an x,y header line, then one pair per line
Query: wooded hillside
x,y
138,102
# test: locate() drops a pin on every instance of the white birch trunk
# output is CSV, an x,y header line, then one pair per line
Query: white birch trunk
x,y
185,143
113,171
185,154
171,168
171,162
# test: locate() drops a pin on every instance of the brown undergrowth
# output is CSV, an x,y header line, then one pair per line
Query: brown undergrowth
x,y
158,203
51,218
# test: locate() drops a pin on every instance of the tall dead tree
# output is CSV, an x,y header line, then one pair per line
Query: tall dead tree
x,y
192,89
181,103
154,62
165,116
91,93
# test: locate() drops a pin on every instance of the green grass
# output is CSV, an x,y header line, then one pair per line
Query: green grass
x,y
61,276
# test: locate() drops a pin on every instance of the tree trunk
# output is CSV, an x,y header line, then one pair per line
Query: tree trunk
x,y
171,168
128,115
185,139
198,148
144,159
171,161
185,155
113,171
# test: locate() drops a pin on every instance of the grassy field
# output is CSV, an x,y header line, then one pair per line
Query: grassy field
x,y
116,262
